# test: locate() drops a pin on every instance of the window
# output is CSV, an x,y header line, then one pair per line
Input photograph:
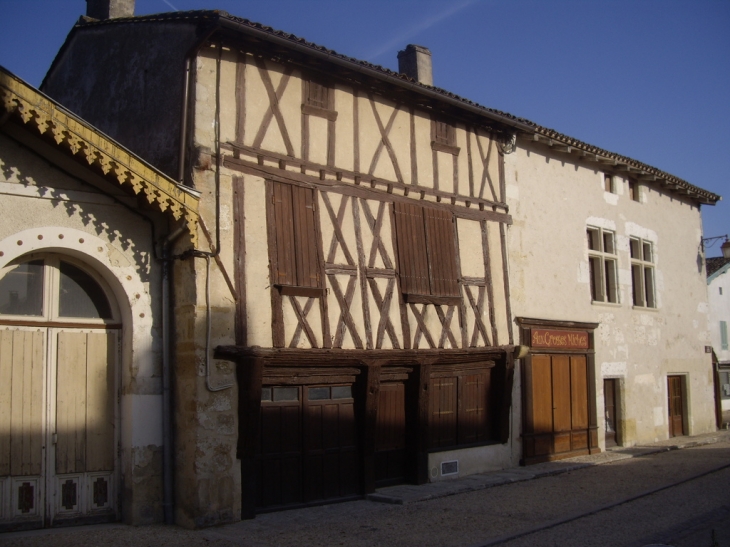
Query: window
x,y
634,190
294,255
426,253
52,288
460,410
602,265
608,183
642,272
723,334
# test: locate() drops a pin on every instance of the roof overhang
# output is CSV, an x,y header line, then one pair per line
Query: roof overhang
x,y
41,115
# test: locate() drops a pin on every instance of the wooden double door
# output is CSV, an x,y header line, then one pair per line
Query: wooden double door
x,y
57,426
308,449
59,354
557,421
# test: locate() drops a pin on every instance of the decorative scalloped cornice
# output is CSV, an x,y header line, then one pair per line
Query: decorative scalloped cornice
x,y
42,115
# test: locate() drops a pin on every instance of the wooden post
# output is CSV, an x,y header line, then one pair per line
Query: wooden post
x,y
249,373
506,402
368,423
417,413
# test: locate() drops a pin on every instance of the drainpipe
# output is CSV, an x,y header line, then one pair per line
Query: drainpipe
x,y
167,460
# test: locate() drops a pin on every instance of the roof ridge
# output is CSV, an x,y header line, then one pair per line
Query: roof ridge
x,y
520,124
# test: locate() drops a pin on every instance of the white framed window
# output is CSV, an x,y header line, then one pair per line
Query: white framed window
x,y
723,334
642,272
602,262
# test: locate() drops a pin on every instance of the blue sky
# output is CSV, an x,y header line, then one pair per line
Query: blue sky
x,y
649,79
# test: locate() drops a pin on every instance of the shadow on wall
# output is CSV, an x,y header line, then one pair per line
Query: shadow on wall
x,y
107,227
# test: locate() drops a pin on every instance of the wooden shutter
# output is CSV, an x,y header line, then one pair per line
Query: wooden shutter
x,y
443,276
474,415
317,95
443,424
426,250
412,256
295,256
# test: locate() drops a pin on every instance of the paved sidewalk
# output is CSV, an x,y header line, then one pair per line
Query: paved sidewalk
x,y
404,494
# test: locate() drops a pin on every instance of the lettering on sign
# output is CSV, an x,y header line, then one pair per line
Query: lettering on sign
x,y
559,339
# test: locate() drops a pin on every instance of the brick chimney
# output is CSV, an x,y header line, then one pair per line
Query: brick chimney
x,y
415,61
726,249
109,9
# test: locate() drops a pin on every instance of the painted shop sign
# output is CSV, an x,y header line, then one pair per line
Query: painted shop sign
x,y
559,339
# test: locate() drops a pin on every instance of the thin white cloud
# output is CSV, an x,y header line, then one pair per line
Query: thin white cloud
x,y
169,4
420,26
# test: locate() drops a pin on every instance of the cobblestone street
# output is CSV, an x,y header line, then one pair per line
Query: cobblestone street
x,y
636,497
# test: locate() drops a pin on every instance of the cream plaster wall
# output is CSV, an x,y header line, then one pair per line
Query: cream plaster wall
x,y
553,200
46,211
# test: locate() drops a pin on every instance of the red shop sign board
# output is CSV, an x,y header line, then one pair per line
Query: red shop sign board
x,y
559,339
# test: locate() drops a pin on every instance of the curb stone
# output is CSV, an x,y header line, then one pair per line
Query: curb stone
x,y
407,493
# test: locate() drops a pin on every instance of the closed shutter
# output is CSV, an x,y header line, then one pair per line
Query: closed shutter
x,y
296,258
443,276
426,251
474,416
412,257
443,425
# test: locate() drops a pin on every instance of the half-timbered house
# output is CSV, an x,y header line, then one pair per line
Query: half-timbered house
x,y
356,250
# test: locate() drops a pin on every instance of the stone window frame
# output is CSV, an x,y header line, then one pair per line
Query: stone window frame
x,y
602,265
643,284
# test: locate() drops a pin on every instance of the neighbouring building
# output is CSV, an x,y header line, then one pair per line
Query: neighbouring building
x,y
81,333
390,283
718,292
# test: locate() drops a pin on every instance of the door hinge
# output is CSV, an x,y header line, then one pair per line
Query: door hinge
x,y
54,438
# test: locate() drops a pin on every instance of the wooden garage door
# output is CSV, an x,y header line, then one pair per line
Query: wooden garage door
x,y
308,446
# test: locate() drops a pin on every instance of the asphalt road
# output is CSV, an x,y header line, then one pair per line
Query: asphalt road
x,y
678,498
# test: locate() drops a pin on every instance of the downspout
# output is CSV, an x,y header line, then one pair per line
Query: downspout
x,y
167,503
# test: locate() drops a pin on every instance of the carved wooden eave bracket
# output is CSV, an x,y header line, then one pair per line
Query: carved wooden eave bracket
x,y
615,163
76,138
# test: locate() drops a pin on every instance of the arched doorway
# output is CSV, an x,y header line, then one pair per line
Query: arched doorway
x,y
60,333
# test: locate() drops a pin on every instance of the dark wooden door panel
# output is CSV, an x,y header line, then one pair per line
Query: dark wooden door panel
x,y
280,457
307,450
330,449
474,420
390,434
442,428
676,404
